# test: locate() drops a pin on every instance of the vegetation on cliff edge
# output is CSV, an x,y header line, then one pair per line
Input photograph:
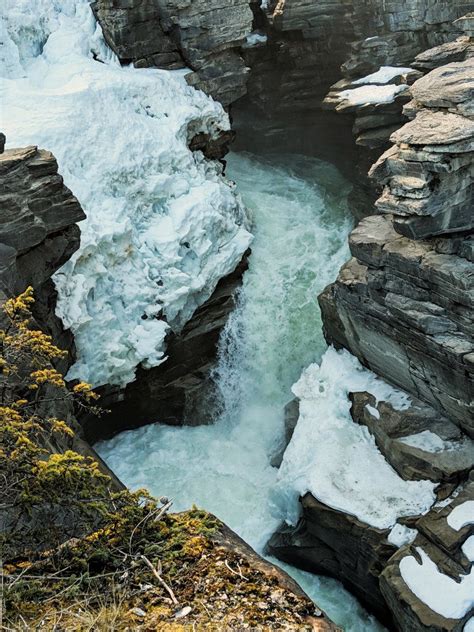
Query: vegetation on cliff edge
x,y
77,553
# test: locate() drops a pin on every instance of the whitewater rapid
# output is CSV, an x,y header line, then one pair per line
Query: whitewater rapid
x,y
301,223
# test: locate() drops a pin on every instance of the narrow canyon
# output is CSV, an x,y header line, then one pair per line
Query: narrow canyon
x,y
249,225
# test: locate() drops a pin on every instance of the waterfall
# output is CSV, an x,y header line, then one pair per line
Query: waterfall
x,y
301,223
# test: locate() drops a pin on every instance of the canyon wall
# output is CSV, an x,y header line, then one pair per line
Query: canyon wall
x,y
284,54
403,305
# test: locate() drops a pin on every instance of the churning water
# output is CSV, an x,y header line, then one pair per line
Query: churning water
x,y
301,223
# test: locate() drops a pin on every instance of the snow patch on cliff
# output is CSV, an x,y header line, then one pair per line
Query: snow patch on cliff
x,y
384,75
446,596
163,225
336,459
371,94
462,515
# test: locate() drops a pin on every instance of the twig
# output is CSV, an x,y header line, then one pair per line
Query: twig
x,y
160,579
63,590
239,574
17,577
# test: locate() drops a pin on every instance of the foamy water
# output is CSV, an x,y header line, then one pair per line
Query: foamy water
x,y
301,226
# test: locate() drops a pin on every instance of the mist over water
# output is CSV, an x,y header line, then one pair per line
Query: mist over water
x,y
301,223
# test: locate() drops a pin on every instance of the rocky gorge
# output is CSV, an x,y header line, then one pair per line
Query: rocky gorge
x,y
402,305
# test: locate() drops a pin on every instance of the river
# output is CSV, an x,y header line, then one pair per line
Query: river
x,y
301,222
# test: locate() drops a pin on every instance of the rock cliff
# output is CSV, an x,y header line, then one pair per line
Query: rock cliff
x,y
203,36
404,306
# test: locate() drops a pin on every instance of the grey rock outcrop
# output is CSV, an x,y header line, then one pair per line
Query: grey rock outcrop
x,y
374,120
428,175
205,36
417,441
408,302
309,41
331,542
34,203
443,545
366,559
38,231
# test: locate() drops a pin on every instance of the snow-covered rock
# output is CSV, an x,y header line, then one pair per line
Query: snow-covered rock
x,y
335,459
163,225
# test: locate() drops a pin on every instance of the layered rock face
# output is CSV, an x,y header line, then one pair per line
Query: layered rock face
x,y
411,303
406,291
380,71
39,215
204,36
428,175
309,41
404,306
38,234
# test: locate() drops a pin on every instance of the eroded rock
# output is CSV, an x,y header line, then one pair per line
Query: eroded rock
x,y
417,441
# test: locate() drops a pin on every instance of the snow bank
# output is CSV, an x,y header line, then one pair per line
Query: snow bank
x,y
449,598
336,459
163,224
384,75
371,94
469,627
468,548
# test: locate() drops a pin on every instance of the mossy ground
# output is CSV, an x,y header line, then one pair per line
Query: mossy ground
x,y
102,583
